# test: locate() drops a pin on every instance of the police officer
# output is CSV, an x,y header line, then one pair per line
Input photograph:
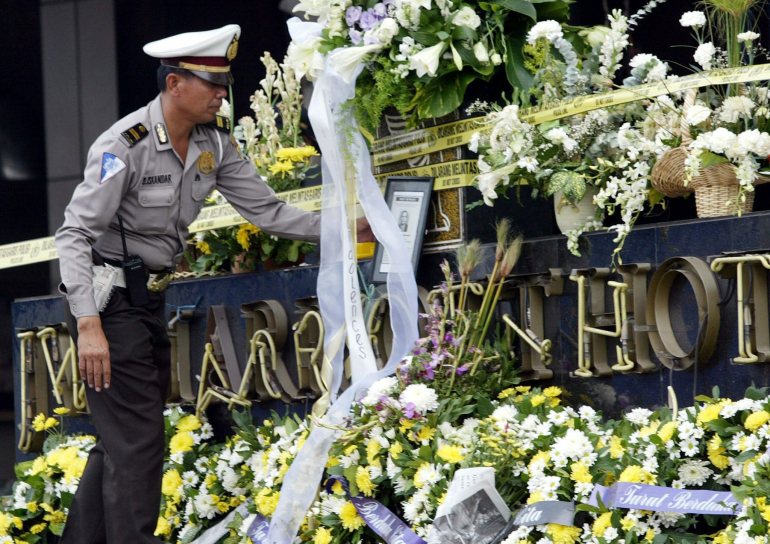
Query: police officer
x,y
145,181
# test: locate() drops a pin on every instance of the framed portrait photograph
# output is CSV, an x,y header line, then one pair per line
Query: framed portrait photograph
x,y
408,198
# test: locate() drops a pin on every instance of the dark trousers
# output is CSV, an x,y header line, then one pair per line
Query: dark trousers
x,y
118,499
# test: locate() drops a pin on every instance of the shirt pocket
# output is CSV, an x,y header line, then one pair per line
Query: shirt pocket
x,y
202,187
154,216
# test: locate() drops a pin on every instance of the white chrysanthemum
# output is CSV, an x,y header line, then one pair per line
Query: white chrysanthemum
x,y
381,388
696,114
735,107
747,36
694,473
205,506
573,445
754,142
704,55
639,416
550,30
423,398
692,19
428,474
506,413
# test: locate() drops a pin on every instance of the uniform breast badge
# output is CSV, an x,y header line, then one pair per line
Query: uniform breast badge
x,y
206,163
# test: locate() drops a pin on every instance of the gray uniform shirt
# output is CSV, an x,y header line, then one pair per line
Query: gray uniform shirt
x,y
142,178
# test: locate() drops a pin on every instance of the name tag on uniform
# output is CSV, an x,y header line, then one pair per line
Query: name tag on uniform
x,y
158,179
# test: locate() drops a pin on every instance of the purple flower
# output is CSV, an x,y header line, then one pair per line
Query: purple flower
x,y
379,10
369,19
353,14
428,373
355,36
409,410
462,370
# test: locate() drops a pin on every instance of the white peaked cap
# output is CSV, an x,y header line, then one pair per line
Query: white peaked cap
x,y
207,54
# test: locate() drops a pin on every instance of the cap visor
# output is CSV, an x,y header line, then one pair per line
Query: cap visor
x,y
217,78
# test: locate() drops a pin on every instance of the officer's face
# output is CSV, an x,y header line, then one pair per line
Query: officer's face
x,y
200,99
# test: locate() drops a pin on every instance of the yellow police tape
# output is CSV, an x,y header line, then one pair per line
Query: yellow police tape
x,y
446,175
432,139
420,142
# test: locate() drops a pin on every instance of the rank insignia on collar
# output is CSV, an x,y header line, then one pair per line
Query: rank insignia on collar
x,y
160,131
206,163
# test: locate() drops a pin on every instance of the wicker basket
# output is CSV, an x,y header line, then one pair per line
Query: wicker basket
x,y
667,174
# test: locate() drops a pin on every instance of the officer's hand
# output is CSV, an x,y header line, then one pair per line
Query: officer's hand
x,y
93,352
364,231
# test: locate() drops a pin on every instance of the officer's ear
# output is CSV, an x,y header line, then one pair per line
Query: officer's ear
x,y
172,82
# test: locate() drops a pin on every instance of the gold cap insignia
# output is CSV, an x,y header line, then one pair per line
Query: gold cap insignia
x,y
206,163
160,130
232,49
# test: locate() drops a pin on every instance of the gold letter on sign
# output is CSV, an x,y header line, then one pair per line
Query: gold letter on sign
x,y
662,334
593,328
753,330
535,349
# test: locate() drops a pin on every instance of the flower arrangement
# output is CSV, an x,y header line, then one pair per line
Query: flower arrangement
x,y
606,153
273,141
727,125
421,55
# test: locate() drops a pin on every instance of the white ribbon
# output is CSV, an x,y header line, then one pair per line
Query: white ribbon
x,y
344,153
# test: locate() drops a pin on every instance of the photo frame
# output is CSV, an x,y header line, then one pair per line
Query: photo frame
x,y
408,198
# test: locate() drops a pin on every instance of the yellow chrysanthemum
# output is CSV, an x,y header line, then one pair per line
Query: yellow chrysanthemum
x,y
349,517
203,246
536,496
38,528
372,450
337,488
181,442
505,393
425,433
162,528
38,465
450,454
189,422
721,538
32,507
647,430
364,482
296,154
616,447
39,422
580,473
266,501
601,524
406,424
666,432
332,462
322,535
632,474
537,400
244,234
396,449
756,420
552,391
715,450
56,516
541,456
61,411
172,483
650,535
281,168
562,534
523,388
628,523
710,412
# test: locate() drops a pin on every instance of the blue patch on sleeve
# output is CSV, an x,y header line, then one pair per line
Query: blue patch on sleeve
x,y
111,165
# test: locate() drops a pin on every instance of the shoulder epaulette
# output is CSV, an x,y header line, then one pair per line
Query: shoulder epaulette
x,y
221,123
135,134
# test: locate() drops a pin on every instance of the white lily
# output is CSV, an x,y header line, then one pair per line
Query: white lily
x,y
426,61
346,60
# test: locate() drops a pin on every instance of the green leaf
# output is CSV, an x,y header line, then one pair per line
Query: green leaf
x,y
443,95
708,158
524,7
517,75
